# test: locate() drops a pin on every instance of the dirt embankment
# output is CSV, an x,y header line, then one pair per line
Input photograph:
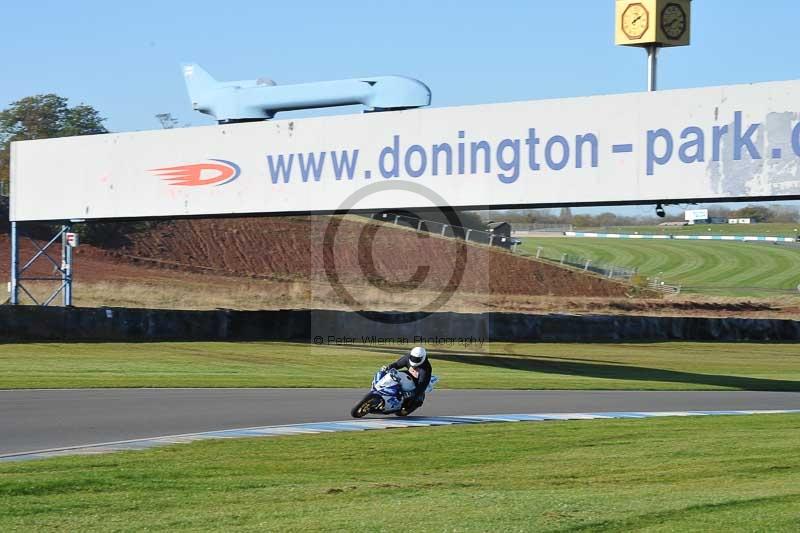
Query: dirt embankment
x,y
302,262
352,252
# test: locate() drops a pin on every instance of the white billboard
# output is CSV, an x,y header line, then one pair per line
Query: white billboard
x,y
696,214
685,145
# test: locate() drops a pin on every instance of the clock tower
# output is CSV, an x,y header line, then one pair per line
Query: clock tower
x,y
652,24
649,23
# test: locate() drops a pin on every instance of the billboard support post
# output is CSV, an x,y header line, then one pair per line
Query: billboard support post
x,y
66,265
652,68
64,268
13,285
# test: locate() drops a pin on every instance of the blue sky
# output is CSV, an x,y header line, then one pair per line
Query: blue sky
x,y
123,57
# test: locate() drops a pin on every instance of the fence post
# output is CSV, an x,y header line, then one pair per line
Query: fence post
x,y
396,218
586,266
491,239
466,237
444,229
563,258
419,225
538,252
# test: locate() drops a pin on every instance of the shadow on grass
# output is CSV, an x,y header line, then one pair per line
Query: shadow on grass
x,y
435,353
619,372
599,369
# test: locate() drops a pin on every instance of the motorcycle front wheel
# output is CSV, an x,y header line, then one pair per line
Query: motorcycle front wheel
x,y
369,404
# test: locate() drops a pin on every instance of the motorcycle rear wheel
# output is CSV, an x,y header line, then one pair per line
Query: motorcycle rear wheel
x,y
369,404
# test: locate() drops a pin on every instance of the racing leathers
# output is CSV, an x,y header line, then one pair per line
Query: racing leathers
x,y
422,377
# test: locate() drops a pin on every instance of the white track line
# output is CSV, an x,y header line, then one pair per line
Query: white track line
x,y
311,428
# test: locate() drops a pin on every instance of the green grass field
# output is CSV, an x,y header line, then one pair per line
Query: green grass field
x,y
766,230
656,366
679,474
714,268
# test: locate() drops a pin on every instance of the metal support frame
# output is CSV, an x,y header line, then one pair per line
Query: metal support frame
x,y
652,68
64,269
13,285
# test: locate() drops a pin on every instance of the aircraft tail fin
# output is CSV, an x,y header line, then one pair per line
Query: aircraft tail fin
x,y
198,81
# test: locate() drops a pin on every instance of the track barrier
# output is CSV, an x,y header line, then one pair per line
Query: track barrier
x,y
31,323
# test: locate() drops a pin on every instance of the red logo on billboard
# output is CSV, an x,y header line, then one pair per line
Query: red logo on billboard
x,y
220,172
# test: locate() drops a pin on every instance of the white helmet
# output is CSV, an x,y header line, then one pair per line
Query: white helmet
x,y
417,356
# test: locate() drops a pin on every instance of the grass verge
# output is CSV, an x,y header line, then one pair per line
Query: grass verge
x,y
701,474
657,366
717,268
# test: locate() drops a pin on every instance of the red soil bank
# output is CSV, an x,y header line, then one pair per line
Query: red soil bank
x,y
294,248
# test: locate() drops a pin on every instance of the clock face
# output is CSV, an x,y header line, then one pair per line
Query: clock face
x,y
635,21
673,21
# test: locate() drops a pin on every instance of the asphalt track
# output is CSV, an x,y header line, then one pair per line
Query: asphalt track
x,y
43,419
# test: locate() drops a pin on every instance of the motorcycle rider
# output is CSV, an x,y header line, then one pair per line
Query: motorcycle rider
x,y
419,368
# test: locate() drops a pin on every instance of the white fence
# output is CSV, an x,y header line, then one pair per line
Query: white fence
x,y
524,229
659,285
608,270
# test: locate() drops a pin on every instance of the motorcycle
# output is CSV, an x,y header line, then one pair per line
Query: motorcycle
x,y
389,389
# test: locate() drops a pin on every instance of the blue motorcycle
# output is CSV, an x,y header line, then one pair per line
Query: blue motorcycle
x,y
389,389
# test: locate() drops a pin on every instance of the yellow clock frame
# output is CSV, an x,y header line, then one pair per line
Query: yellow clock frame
x,y
635,14
656,31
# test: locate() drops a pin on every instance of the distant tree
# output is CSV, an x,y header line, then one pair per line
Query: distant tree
x,y
583,221
758,213
471,219
513,216
719,212
43,116
580,220
783,213
607,219
82,120
529,216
